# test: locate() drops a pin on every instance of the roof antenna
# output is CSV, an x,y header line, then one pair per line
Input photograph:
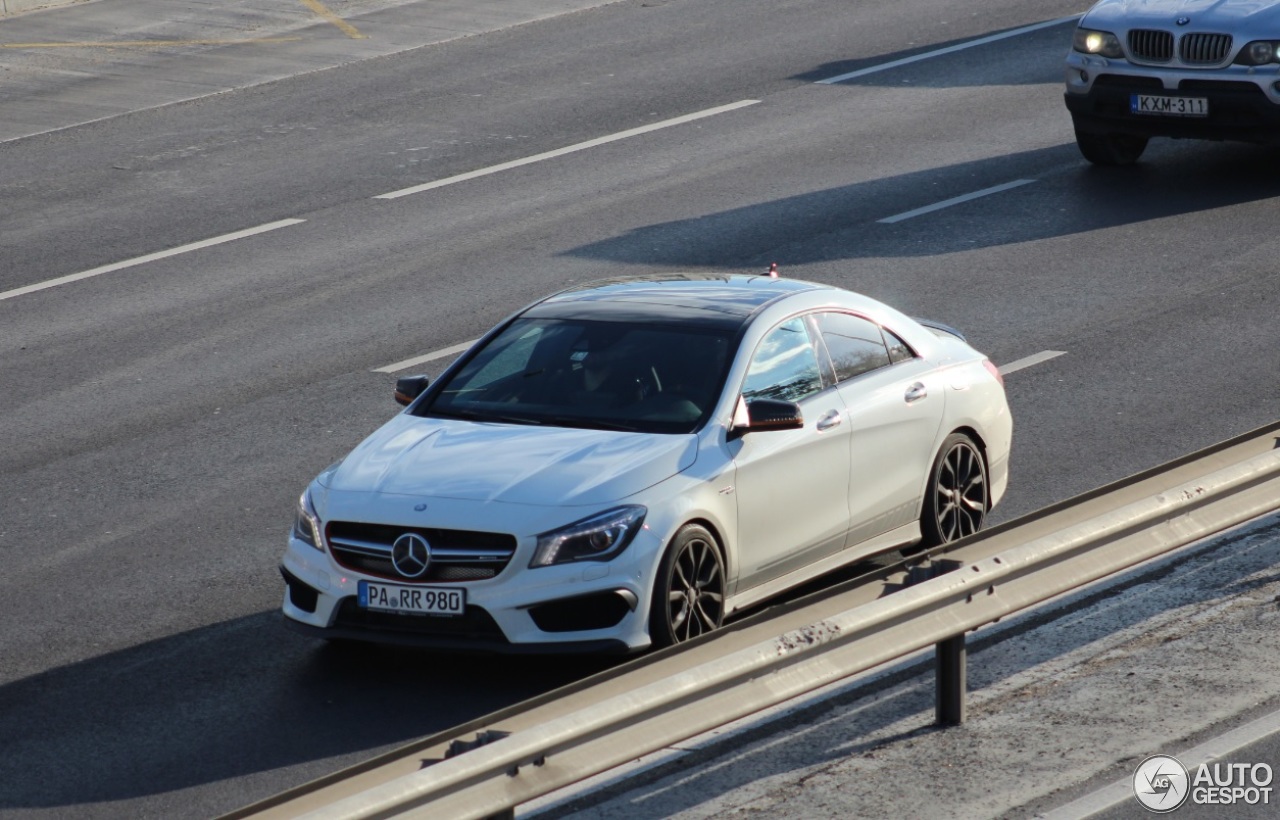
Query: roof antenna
x,y
773,270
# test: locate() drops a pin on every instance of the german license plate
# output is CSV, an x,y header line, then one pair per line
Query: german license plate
x,y
412,600
1169,106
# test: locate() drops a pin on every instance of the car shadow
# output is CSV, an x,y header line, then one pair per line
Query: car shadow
x,y
235,699
1069,197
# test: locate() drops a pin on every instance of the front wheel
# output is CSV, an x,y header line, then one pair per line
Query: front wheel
x,y
688,594
1111,149
957,499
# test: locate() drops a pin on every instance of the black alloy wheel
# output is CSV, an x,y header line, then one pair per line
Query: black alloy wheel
x,y
688,595
958,496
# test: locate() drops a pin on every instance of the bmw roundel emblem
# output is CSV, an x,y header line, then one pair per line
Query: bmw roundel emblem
x,y
1182,21
411,555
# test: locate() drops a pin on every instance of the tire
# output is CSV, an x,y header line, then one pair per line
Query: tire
x,y
688,594
958,494
1111,149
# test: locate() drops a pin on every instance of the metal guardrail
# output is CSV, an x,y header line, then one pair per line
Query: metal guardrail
x,y
936,600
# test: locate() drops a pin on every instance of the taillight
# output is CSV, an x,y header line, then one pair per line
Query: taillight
x,y
993,370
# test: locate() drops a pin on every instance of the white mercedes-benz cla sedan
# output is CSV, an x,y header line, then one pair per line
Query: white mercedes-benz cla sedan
x,y
624,464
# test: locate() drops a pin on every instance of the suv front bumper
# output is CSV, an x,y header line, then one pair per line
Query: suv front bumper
x,y
1244,104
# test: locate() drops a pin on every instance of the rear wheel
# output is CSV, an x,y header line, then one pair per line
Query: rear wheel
x,y
1111,149
958,497
688,595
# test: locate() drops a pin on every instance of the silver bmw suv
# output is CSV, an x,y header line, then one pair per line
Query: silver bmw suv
x,y
1171,68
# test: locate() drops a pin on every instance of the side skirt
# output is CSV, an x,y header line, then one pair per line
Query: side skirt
x,y
902,536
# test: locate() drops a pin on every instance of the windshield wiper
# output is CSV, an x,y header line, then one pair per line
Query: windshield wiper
x,y
591,424
476,415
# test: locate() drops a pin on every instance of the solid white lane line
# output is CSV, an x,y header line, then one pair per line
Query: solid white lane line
x,y
1207,752
559,152
151,257
417,360
982,41
937,206
1030,361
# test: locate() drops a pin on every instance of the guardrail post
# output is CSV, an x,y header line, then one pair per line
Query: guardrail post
x,y
949,665
949,655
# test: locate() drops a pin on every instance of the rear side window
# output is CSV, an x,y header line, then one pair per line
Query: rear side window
x,y
855,344
899,351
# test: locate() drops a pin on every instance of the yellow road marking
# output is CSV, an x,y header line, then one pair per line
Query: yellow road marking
x,y
137,43
322,10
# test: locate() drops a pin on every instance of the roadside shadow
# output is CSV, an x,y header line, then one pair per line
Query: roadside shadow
x,y
235,699
983,65
1068,197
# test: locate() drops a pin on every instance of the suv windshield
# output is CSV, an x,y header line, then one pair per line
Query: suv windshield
x,y
602,375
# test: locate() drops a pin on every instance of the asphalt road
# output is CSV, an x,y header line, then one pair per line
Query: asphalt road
x,y
157,420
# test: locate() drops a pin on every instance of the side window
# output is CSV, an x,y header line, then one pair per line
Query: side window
x,y
784,366
855,344
899,351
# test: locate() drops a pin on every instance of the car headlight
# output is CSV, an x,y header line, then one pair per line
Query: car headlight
x,y
1259,52
598,538
1104,43
306,523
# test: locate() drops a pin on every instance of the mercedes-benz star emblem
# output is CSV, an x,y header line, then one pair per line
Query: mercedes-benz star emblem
x,y
411,555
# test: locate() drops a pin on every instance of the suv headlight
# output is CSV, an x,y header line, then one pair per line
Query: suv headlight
x,y
1104,43
598,538
1259,52
306,523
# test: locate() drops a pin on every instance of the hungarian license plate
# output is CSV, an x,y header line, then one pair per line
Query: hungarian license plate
x,y
412,600
1169,106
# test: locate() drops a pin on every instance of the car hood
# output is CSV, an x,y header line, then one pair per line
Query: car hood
x,y
520,464
1227,16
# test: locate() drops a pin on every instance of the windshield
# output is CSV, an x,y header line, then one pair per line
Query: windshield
x,y
601,375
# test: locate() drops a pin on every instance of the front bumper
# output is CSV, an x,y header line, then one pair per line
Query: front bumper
x,y
1244,104
587,607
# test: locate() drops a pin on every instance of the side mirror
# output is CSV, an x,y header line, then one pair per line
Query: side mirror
x,y
768,414
409,388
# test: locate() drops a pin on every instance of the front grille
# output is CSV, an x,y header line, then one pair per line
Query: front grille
x,y
1151,46
456,555
475,624
1204,49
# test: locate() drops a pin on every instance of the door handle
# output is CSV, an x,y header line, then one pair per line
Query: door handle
x,y
833,418
915,393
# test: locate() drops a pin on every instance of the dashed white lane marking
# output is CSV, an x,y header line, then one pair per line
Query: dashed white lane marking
x,y
428,357
151,257
559,152
1030,361
1011,367
1211,750
981,41
957,200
